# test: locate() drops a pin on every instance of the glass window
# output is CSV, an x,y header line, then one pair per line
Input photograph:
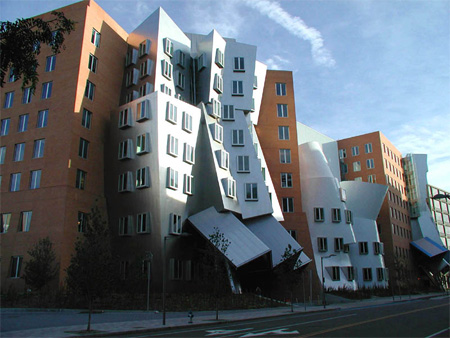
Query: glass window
x,y
288,204
50,64
80,182
172,147
187,122
336,215
143,111
83,148
92,64
188,184
363,248
282,110
251,191
230,188
237,137
243,164
23,123
46,90
4,129
16,265
38,150
218,83
2,154
367,274
171,113
338,244
322,244
370,163
357,166
172,181
168,47
189,153
336,273
224,159
285,156
6,222
355,151
238,88
348,216
125,118
142,144
368,148
9,98
143,223
342,153
239,64
27,95
142,177
283,132
319,215
35,179
220,58
95,38
25,221
86,119
167,69
14,184
228,112
19,150
82,221
125,182
218,133
280,89
286,180
90,90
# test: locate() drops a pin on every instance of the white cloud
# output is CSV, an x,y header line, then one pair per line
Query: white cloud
x,y
295,26
276,62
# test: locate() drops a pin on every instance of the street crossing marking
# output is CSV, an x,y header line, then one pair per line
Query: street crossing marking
x,y
274,332
225,332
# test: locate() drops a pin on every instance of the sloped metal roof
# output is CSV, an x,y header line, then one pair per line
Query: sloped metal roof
x,y
429,247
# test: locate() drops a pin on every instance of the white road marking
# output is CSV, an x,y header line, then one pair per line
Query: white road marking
x,y
266,333
225,332
436,333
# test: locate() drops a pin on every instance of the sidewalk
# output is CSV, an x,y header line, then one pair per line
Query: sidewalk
x,y
200,318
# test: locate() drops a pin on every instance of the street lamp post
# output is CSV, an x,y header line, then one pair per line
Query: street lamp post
x,y
148,258
323,279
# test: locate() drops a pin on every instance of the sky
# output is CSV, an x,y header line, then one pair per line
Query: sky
x,y
358,65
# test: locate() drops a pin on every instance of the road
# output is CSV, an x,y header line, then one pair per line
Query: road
x,y
419,318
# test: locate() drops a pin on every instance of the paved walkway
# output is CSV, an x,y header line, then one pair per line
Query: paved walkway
x,y
200,318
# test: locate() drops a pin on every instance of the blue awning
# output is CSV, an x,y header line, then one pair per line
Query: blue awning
x,y
429,247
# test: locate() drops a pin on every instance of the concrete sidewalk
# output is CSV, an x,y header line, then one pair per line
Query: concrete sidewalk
x,y
174,320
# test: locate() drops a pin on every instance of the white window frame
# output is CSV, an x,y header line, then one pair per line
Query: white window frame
x,y
237,88
285,156
168,47
230,187
370,163
280,89
218,83
172,145
188,184
215,109
143,223
143,110
363,248
187,122
175,225
336,215
125,118
282,110
283,132
180,80
322,244
288,204
319,214
251,191
338,244
218,133
224,159
228,112
143,177
146,68
355,151
342,153
239,64
95,38
167,69
171,113
189,154
348,216
172,178
220,58
286,180
131,57
368,148
125,182
201,62
356,166
243,164
144,47
181,58
142,143
237,137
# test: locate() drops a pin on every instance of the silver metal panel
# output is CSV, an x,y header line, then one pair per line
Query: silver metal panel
x,y
429,247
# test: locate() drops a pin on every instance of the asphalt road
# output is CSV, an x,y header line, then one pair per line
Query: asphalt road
x,y
420,318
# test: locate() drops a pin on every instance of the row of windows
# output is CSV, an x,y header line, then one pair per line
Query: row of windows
x,y
178,269
370,164
395,184
128,228
19,151
22,125
402,232
397,199
398,215
349,272
46,93
339,246
33,183
394,170
391,154
319,215
24,222
370,178
402,252
355,150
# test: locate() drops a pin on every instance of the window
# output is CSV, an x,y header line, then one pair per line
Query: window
x,y
23,123
82,221
239,64
35,179
188,184
95,38
187,122
168,47
27,95
342,153
380,274
189,153
215,108
143,111
175,269
12,76
125,149
83,148
172,178
16,264
142,143
344,168
251,191
224,159
131,57
4,129
350,273
255,82
370,163
367,274
2,154
356,166
143,177
6,222
181,58
368,148
46,90
86,119
377,248
319,215
282,110
372,178
125,182
14,184
285,155
286,180
171,113
201,62
144,47
143,223
336,215
175,224
172,146
25,221
283,132
218,83
322,244
355,151
80,181
90,90
237,137
145,89
126,225
238,88
9,98
338,244
348,217
146,68
180,80
230,187
288,204
363,248
280,89
218,133
220,58
243,164
167,69
92,64
293,234
335,273
125,118
19,149
38,150
228,112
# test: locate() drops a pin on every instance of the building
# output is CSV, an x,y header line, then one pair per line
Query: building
x,y
440,211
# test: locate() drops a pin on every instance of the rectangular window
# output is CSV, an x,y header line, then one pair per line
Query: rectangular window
x,y
175,224
342,153
220,58
27,95
145,89
288,204
168,47
167,69
348,217
16,265
9,98
187,122
172,178
171,113
356,166
367,274
83,148
368,148
142,143
372,178
95,38
218,83
218,133
355,151
363,248
239,64
6,222
46,90
243,164
50,63
180,80
143,111
215,109
285,155
237,137
12,76
80,181
175,269
282,110
283,132
23,123
251,191
380,274
143,177
144,47
146,68
224,159
126,225
82,221
25,221
228,112
181,59
125,182
201,62
125,148
2,154
86,119
143,223
92,64
336,273
286,180
5,127
370,163
377,248
125,118
322,244
230,187
90,90
38,150
280,89
350,273
35,179
14,184
189,153
188,184
336,215
319,215
238,88
19,150
338,244
172,146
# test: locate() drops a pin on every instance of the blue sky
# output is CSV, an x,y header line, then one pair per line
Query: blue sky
x,y
359,65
